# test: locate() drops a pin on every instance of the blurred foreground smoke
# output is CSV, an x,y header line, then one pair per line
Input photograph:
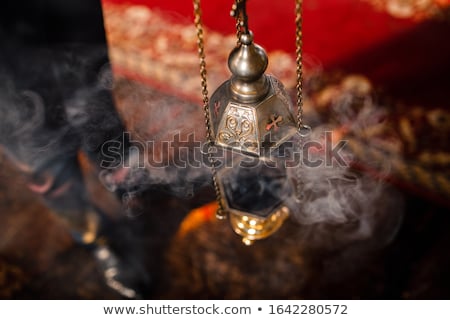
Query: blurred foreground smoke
x,y
57,107
52,102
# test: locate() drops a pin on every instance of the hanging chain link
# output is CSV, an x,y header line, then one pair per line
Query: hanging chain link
x,y
299,61
221,214
303,130
238,30
239,12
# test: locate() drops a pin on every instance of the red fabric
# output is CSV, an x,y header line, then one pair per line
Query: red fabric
x,y
413,65
333,29
406,57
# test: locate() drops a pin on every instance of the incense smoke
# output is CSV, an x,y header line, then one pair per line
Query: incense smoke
x,y
358,206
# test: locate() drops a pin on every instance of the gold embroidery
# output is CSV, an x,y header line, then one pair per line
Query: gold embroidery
x,y
412,9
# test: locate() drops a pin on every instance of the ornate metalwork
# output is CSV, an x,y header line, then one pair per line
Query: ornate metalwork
x,y
237,129
252,128
251,113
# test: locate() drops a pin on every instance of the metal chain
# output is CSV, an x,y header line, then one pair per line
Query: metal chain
x,y
238,30
299,87
221,214
298,61
234,13
239,12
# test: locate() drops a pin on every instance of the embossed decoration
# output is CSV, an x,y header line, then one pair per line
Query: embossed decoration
x,y
216,108
237,129
274,122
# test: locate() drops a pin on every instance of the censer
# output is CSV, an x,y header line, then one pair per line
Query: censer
x,y
251,116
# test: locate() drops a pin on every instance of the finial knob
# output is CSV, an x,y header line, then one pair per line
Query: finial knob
x,y
247,63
